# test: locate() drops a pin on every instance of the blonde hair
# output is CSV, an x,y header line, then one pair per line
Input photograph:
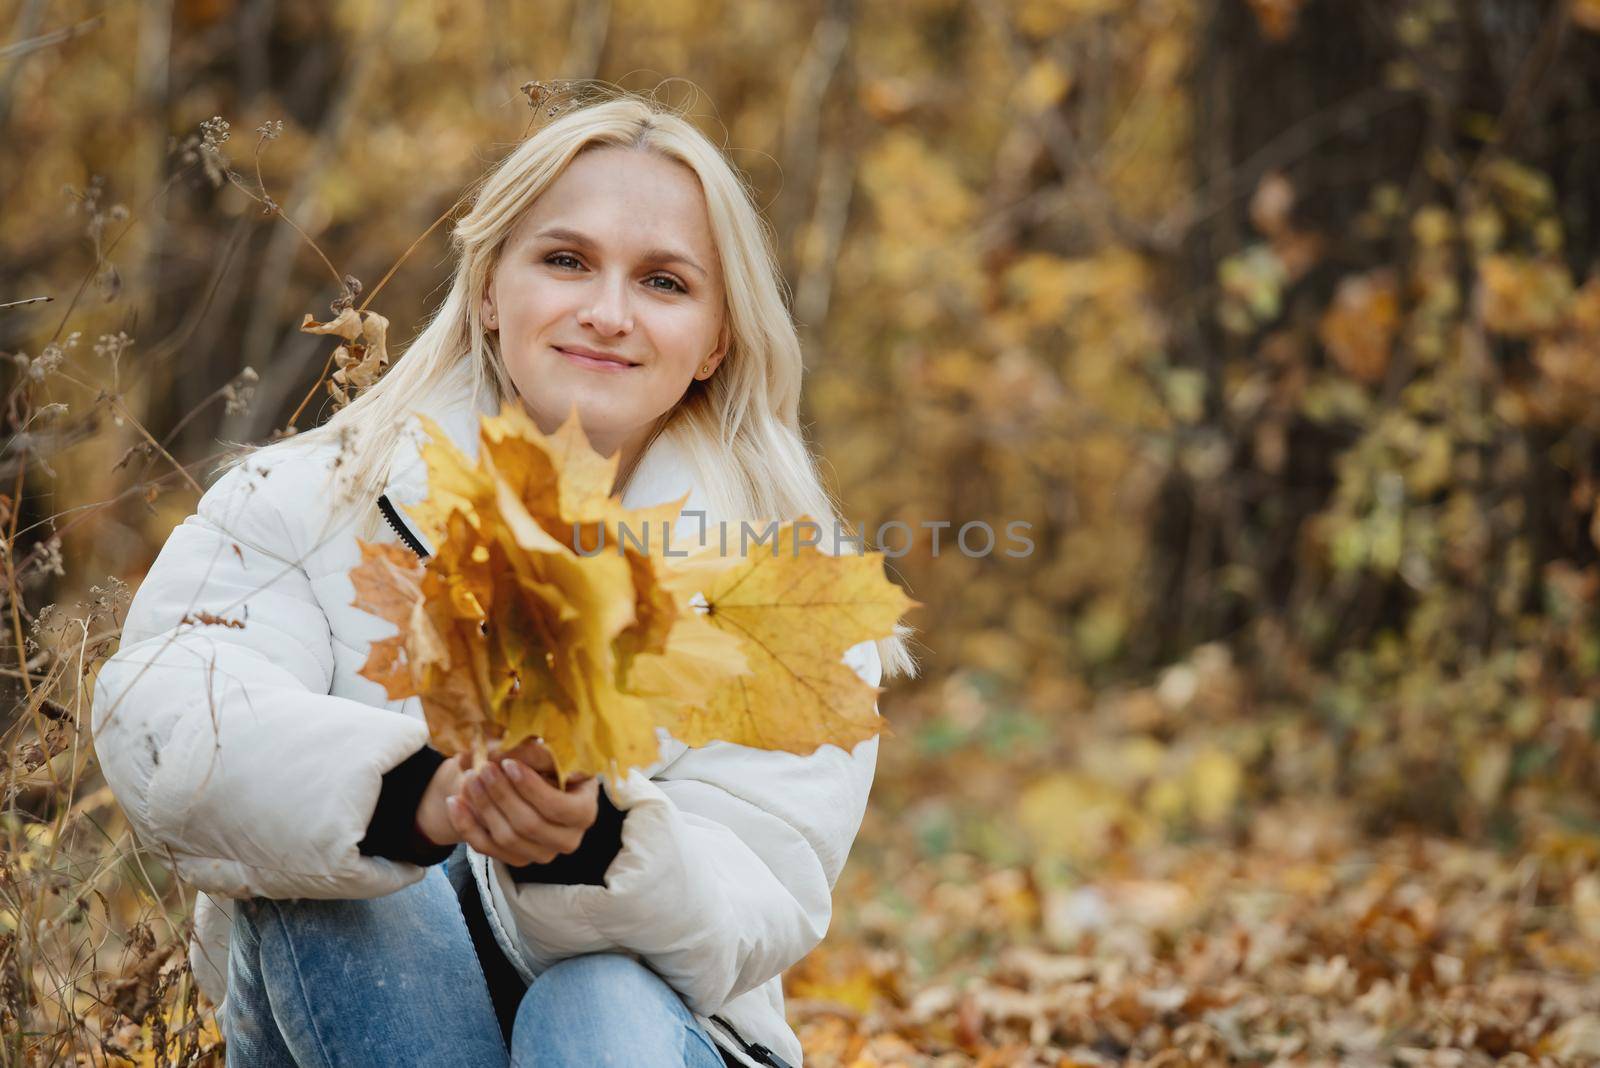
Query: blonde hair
x,y
740,427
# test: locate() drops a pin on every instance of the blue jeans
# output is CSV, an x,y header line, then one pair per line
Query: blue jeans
x,y
395,980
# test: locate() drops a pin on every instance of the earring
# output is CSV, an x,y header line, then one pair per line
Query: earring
x,y
705,369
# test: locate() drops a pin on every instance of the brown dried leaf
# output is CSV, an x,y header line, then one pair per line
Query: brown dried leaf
x,y
1358,330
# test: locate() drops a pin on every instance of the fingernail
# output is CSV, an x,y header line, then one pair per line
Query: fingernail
x,y
475,788
453,805
491,771
513,770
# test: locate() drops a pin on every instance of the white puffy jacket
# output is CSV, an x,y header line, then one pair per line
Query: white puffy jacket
x,y
251,755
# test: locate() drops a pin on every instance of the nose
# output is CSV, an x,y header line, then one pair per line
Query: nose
x,y
608,313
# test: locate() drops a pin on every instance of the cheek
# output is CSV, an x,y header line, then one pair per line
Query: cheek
x,y
686,340
529,302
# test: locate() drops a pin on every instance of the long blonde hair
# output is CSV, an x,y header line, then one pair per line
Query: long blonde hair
x,y
740,427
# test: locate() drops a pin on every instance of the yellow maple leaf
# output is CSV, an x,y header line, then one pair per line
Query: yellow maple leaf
x,y
795,613
509,631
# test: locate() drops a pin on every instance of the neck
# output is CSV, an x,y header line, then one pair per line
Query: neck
x,y
633,450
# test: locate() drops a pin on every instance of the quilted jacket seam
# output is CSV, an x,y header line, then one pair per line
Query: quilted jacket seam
x,y
310,650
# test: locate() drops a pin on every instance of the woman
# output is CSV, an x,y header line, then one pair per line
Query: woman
x,y
366,901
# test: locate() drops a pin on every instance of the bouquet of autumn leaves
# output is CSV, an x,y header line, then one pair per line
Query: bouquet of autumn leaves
x,y
508,632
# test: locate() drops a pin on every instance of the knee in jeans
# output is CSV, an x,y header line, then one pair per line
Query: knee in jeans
x,y
612,992
611,975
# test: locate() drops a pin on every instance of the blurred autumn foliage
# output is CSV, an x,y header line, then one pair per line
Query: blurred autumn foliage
x,y
1278,320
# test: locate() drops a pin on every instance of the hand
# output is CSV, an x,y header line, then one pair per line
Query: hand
x,y
512,810
433,815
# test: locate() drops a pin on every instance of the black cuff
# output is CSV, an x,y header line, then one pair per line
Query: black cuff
x,y
392,832
588,863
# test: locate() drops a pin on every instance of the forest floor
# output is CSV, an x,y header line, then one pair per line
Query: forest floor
x,y
1305,943
1296,938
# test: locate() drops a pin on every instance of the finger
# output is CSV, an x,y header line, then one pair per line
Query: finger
x,y
476,793
536,755
514,822
466,824
478,837
524,819
501,840
574,807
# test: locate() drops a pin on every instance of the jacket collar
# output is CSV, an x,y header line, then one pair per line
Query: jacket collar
x,y
665,473
457,410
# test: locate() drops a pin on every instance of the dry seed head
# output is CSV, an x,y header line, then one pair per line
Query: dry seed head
x,y
112,346
214,131
238,393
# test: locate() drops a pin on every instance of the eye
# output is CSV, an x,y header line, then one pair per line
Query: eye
x,y
570,259
672,286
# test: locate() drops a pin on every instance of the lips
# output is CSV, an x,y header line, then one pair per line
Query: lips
x,y
595,360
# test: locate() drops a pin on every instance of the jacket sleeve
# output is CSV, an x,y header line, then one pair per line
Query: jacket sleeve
x,y
393,831
726,872
213,721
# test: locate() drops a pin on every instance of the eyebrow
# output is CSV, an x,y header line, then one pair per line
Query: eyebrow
x,y
655,255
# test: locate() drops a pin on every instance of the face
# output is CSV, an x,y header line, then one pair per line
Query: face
x,y
608,294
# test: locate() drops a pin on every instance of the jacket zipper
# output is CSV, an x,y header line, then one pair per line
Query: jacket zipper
x,y
754,1050
393,516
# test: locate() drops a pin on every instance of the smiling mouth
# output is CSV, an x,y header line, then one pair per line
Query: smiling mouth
x,y
595,363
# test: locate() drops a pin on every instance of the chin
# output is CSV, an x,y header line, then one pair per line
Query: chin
x,y
597,418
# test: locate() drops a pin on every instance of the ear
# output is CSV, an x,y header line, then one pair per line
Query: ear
x,y
486,306
724,342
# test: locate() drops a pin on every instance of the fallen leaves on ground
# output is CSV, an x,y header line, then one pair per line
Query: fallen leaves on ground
x,y
1302,943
